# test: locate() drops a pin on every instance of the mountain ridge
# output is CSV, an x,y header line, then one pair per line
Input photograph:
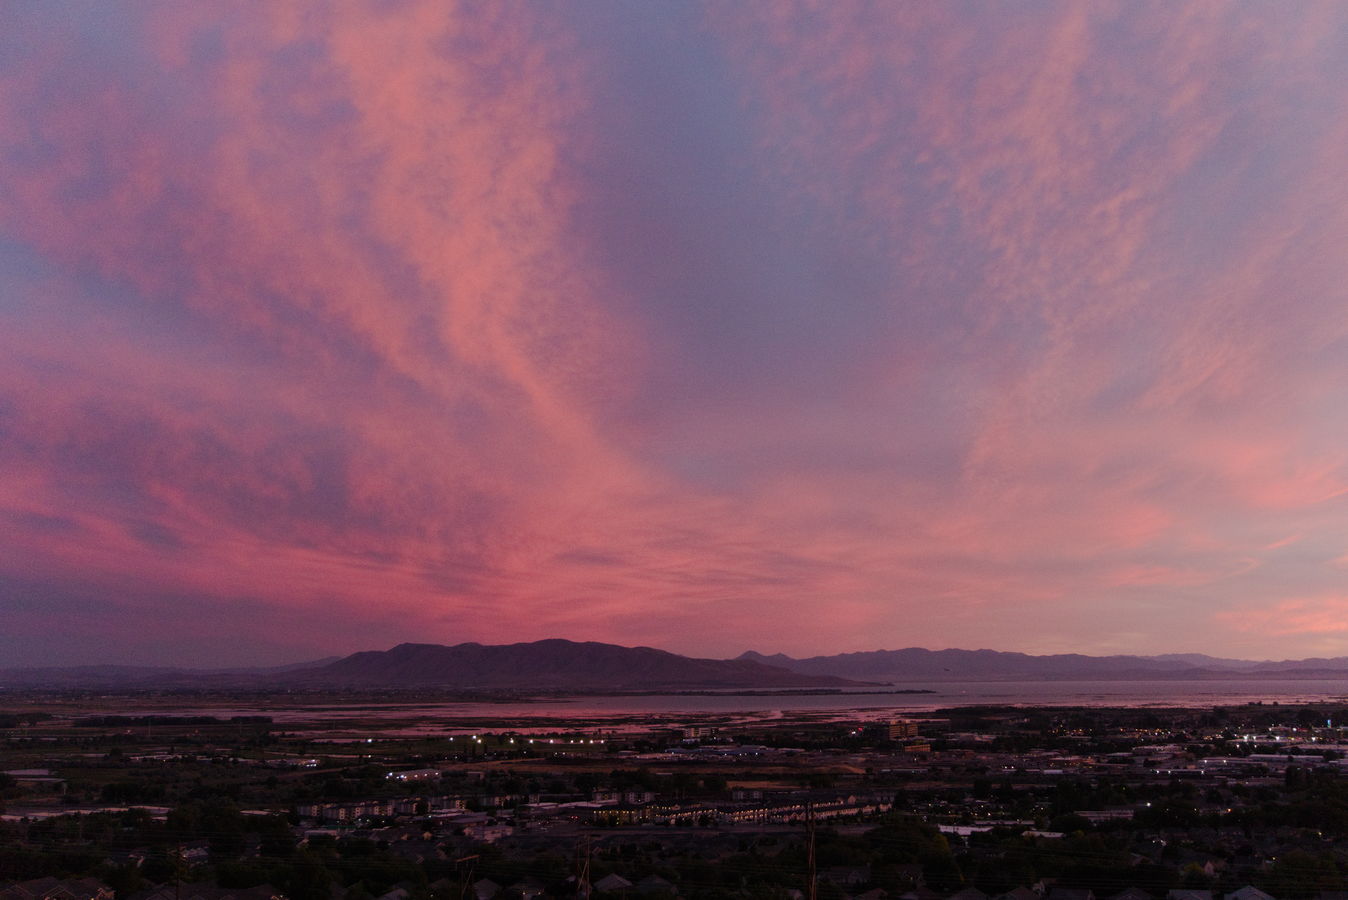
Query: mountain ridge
x,y
556,664
548,665
918,663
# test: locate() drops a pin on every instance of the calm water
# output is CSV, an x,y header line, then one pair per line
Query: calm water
x,y
943,694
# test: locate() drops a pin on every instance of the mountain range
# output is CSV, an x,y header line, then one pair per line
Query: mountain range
x,y
918,664
560,665
555,665
542,665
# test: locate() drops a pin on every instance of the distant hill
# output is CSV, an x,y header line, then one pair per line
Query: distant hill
x,y
559,665
917,664
553,665
1203,661
543,665
157,676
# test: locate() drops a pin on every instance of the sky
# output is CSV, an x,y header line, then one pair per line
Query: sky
x,y
807,328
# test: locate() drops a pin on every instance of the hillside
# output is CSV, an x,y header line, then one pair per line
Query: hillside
x,y
552,665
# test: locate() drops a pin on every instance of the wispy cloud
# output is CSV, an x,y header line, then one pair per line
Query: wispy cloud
x,y
802,327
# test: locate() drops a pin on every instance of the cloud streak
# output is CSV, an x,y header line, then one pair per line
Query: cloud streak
x,y
794,327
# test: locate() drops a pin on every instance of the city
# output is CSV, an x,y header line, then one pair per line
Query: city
x,y
963,802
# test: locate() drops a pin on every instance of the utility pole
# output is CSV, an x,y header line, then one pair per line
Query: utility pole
x,y
812,889
466,883
583,865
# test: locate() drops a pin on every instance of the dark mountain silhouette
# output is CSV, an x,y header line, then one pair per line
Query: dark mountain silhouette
x,y
1302,668
542,665
1202,660
917,664
553,665
589,666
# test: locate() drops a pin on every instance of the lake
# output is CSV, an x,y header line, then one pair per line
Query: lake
x,y
865,704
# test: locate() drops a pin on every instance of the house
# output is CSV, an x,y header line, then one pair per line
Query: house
x,y
1249,892
488,832
1183,894
57,889
921,892
1131,893
1021,893
654,884
611,883
209,891
969,893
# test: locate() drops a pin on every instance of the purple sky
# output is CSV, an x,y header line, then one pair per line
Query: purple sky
x,y
709,327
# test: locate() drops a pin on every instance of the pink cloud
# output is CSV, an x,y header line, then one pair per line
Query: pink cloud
x,y
1324,615
1015,316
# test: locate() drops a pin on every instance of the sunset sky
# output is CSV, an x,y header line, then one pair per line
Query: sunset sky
x,y
802,328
